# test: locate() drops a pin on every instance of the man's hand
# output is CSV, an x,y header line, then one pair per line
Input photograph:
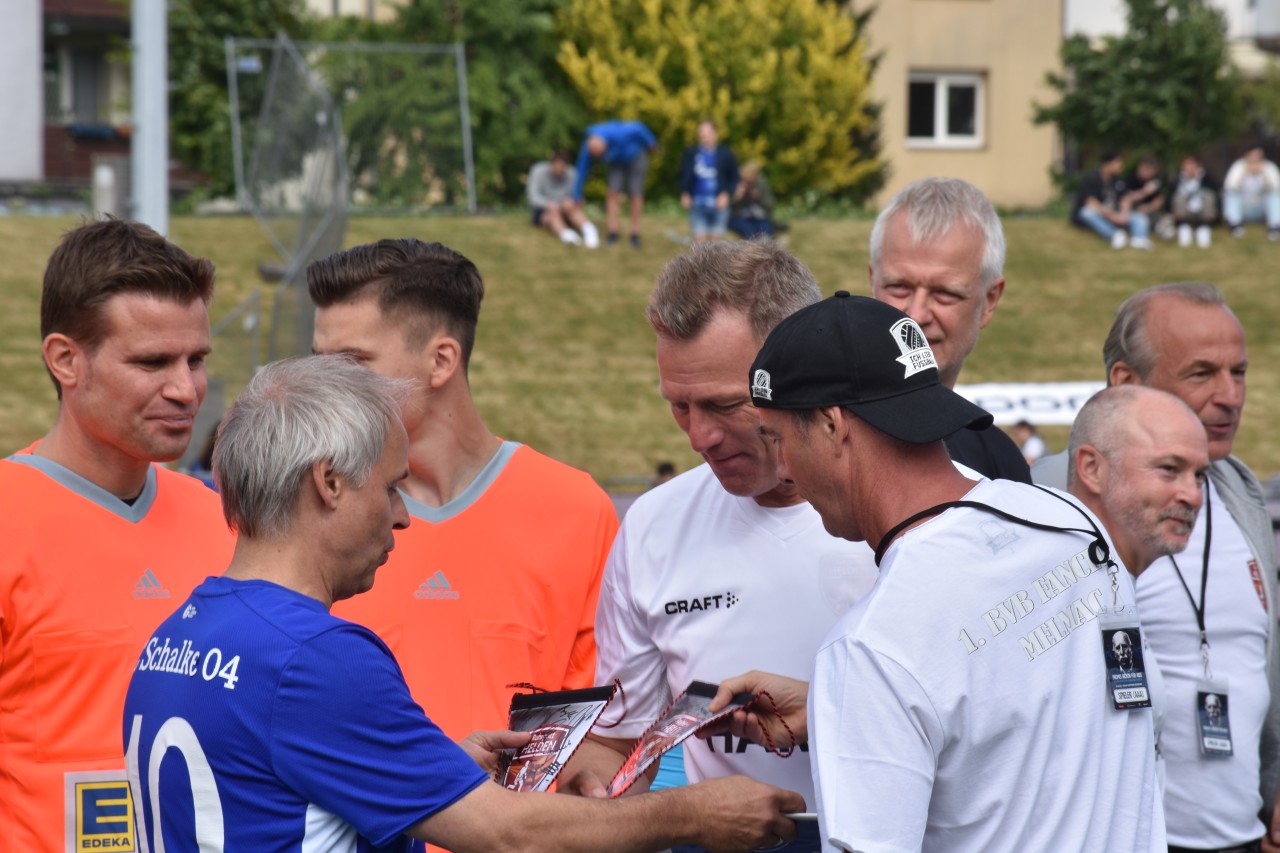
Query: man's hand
x,y
741,814
483,747
594,763
686,200
764,720
722,201
584,784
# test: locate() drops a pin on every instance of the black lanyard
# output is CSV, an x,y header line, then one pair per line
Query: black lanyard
x,y
1099,553
1204,581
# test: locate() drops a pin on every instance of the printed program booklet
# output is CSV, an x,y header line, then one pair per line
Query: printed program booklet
x,y
686,714
558,721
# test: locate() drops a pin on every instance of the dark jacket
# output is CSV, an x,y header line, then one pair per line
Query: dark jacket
x,y
726,170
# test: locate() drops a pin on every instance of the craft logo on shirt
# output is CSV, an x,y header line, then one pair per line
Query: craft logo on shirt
x,y
99,812
149,586
695,605
916,355
436,586
762,385
1257,583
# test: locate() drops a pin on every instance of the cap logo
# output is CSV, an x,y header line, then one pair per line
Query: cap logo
x,y
760,386
916,355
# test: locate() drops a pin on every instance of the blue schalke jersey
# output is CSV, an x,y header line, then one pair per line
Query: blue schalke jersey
x,y
257,721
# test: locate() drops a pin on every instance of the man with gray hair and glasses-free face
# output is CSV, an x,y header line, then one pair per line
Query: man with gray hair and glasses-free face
x,y
257,720
937,254
1208,613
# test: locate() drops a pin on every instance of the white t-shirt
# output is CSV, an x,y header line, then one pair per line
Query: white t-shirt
x,y
1211,802
702,585
962,705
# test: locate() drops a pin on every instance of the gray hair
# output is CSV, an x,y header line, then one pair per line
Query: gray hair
x,y
1127,340
293,414
756,278
1104,418
933,206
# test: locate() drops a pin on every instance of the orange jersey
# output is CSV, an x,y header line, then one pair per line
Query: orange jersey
x,y
84,580
500,588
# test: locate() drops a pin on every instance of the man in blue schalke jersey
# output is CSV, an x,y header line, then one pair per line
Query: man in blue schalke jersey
x,y
256,720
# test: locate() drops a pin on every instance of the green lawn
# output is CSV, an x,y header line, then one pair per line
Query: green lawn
x,y
564,359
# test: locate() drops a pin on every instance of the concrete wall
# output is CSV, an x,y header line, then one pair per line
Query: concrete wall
x,y
1011,44
22,92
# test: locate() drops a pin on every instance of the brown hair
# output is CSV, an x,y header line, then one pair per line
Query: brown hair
x,y
102,259
756,278
435,286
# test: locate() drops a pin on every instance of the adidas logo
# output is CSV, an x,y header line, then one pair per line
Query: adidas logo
x,y
436,586
149,587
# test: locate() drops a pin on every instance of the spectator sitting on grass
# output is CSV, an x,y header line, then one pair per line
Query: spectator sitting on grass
x,y
550,191
1099,207
1251,193
751,208
1193,201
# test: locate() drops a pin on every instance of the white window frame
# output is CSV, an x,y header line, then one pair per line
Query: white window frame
x,y
942,81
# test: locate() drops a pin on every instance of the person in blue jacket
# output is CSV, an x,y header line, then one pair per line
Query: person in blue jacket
x,y
708,176
625,147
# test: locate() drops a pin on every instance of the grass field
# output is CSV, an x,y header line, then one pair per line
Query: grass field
x,y
564,358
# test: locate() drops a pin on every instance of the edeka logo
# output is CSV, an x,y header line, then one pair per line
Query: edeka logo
x,y
436,586
103,816
695,605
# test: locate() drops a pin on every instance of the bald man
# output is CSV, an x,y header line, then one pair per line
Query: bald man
x,y
1140,458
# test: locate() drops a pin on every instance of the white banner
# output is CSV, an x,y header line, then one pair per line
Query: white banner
x,y
1041,403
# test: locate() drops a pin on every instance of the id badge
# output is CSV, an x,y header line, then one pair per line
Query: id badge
x,y
1211,717
1122,653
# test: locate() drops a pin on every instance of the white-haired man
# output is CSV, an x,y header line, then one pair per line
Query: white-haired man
x,y
937,254
257,720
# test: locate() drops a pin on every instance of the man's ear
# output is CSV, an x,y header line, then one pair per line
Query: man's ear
x,y
62,357
990,300
1122,373
444,357
1090,468
329,487
835,424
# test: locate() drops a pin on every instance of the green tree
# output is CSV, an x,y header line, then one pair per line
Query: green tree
x,y
199,108
788,82
1166,85
1261,97
521,104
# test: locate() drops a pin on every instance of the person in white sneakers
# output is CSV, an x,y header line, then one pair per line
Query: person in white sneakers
x,y
1193,201
1251,193
550,191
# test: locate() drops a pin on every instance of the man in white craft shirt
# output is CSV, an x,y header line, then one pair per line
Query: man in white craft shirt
x,y
725,568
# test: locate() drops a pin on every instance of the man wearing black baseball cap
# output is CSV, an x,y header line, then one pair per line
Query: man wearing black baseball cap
x,y
962,703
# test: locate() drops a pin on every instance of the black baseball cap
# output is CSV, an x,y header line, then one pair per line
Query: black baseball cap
x,y
867,356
